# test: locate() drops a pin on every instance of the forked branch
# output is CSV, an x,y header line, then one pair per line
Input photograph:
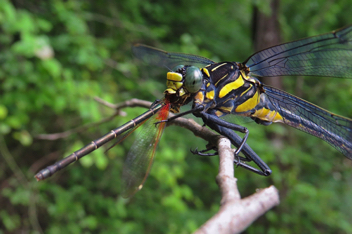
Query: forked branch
x,y
235,214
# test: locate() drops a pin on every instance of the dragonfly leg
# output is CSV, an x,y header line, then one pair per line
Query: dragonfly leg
x,y
247,151
203,152
155,103
212,118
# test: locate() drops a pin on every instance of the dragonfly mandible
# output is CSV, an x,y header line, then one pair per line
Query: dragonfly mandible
x,y
219,89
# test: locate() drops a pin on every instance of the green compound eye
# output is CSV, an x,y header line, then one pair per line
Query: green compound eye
x,y
194,79
178,67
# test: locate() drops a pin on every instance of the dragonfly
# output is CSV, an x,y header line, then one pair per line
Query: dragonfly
x,y
233,88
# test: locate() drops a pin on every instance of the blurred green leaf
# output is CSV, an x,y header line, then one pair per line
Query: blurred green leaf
x,y
24,137
11,222
3,112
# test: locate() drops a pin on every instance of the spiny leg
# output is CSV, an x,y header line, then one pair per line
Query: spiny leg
x,y
249,154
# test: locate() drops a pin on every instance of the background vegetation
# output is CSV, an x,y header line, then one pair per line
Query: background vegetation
x,y
55,56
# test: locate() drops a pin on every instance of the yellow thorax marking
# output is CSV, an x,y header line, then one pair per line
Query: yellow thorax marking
x,y
231,86
199,97
226,109
244,92
218,113
249,104
221,79
210,95
218,66
245,76
206,71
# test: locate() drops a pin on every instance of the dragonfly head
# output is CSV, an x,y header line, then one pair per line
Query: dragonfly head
x,y
182,83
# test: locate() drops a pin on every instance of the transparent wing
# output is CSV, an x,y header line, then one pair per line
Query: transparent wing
x,y
325,55
141,155
300,114
154,56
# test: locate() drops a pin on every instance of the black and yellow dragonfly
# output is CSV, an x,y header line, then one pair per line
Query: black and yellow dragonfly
x,y
219,89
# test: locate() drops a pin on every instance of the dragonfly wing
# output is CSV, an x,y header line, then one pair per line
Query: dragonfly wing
x,y
300,114
154,56
324,55
140,157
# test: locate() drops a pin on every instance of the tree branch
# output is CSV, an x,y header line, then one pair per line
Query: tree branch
x,y
236,214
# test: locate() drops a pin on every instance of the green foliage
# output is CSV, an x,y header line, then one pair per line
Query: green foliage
x,y
56,56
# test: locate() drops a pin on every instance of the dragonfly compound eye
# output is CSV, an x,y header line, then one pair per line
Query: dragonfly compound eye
x,y
177,68
194,79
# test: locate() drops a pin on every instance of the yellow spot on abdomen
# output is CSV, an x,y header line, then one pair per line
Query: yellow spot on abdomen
x,y
268,115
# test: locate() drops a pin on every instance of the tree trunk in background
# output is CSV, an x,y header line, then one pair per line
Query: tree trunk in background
x,y
266,34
